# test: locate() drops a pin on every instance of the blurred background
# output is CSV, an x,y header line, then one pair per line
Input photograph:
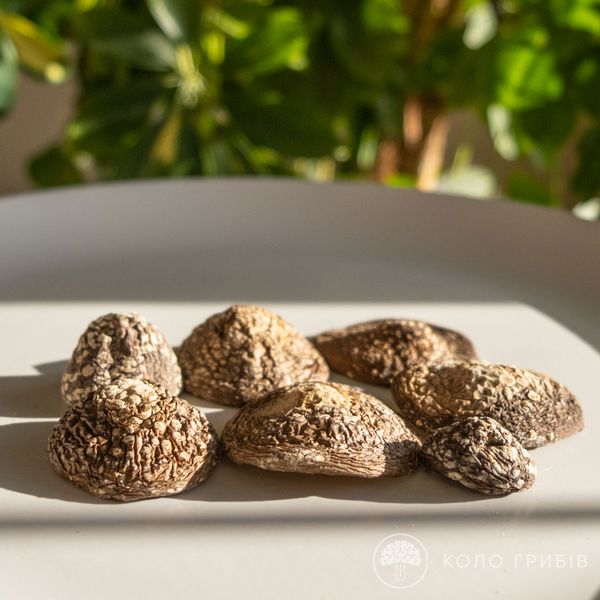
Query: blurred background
x,y
483,98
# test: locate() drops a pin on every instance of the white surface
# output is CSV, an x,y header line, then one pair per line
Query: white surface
x,y
321,256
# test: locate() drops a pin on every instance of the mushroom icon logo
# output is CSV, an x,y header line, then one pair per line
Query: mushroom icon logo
x,y
400,561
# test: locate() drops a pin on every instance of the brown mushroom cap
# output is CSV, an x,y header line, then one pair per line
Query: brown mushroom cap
x,y
482,455
120,345
375,351
131,440
534,407
324,428
243,353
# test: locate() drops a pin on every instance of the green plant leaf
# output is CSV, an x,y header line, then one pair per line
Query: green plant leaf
x,y
586,84
219,157
123,36
109,119
252,159
526,188
583,15
278,41
54,167
384,16
8,74
366,148
107,23
401,180
179,19
133,157
545,128
166,146
586,180
526,77
289,125
213,44
226,23
367,57
471,81
147,49
38,52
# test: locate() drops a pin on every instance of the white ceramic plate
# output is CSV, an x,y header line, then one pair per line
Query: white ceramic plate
x,y
523,282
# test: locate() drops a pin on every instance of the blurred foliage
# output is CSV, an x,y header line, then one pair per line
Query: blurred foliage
x,y
320,89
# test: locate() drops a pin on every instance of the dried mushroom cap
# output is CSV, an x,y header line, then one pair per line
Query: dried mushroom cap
x,y
482,455
535,408
243,353
120,345
131,440
375,351
322,428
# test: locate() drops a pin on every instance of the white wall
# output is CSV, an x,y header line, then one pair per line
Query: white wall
x,y
35,122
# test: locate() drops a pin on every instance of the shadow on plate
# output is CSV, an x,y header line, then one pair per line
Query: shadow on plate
x,y
33,396
596,596
241,483
24,468
24,465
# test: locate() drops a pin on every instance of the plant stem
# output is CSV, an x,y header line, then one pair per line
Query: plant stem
x,y
419,151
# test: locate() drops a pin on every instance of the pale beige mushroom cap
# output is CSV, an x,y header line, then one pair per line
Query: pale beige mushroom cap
x,y
534,407
120,345
375,351
245,352
322,428
480,454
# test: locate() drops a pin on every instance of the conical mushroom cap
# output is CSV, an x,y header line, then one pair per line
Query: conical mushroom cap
x,y
132,440
120,345
244,353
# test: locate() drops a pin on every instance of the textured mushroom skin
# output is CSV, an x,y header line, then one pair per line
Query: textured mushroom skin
x,y
322,428
243,353
535,408
120,345
131,440
482,455
375,351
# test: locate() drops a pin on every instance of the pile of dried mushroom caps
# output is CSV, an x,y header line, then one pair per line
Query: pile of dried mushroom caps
x,y
127,435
